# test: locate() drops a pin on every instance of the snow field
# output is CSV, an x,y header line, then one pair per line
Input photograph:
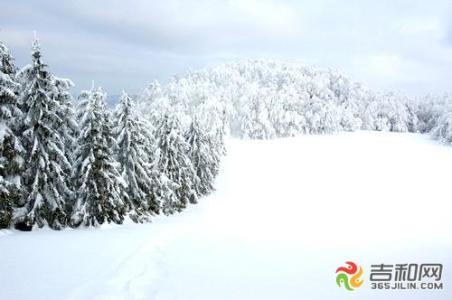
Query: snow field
x,y
286,213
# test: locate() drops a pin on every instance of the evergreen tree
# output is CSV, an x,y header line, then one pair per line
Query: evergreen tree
x,y
99,185
202,155
46,163
175,164
215,142
67,129
135,162
10,147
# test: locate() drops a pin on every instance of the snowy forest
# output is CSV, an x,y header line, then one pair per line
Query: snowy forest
x,y
72,163
67,161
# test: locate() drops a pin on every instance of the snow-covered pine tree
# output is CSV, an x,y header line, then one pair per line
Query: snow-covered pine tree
x,y
175,163
11,150
202,156
135,161
215,140
99,185
46,163
68,128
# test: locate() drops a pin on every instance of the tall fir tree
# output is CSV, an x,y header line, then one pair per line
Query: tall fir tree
x,y
99,185
67,129
46,163
133,142
11,150
176,165
202,155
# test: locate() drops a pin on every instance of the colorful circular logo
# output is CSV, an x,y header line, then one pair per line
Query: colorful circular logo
x,y
349,276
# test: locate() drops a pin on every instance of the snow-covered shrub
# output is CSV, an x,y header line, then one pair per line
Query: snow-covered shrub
x,y
412,107
386,112
430,110
443,128
255,122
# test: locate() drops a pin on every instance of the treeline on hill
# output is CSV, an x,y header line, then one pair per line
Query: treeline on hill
x,y
66,165
69,165
264,100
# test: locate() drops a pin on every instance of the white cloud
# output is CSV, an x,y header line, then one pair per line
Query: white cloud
x,y
388,44
388,66
427,27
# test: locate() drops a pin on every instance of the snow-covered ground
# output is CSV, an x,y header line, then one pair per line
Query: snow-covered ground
x,y
285,215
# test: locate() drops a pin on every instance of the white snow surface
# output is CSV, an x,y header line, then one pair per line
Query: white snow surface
x,y
286,213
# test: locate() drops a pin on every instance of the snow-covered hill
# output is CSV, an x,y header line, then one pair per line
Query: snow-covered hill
x,y
265,99
286,213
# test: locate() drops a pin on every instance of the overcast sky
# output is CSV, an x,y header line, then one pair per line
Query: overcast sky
x,y
403,45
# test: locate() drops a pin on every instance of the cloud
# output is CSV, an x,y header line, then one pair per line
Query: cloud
x,y
388,44
182,27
